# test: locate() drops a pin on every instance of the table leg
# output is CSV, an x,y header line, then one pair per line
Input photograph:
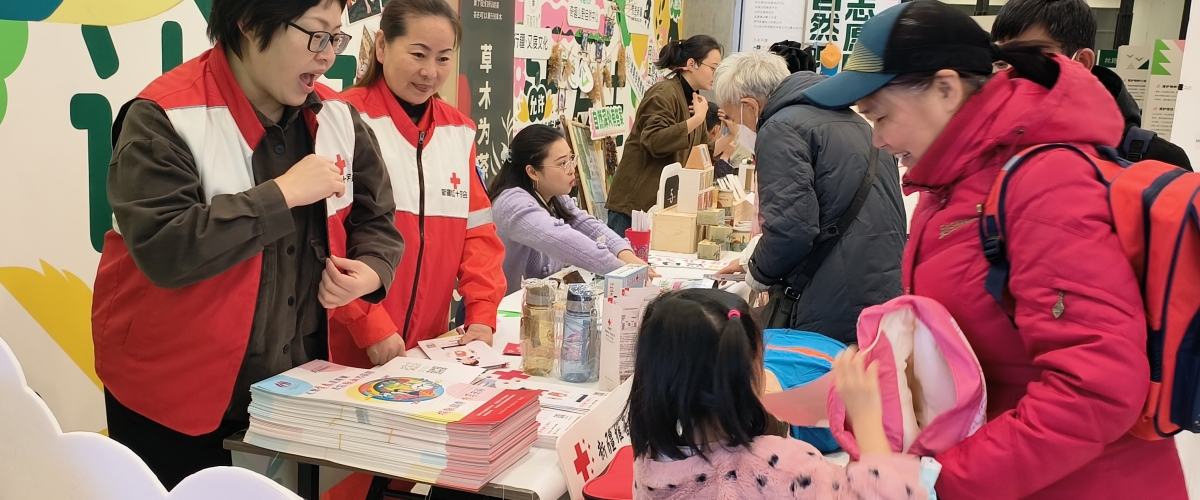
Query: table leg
x,y
308,481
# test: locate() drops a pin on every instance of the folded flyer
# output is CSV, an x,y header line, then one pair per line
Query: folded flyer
x,y
476,353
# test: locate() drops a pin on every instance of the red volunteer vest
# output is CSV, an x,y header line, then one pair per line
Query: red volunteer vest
x,y
439,199
173,355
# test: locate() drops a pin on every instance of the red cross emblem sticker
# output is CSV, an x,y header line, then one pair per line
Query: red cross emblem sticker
x,y
341,165
454,180
582,461
510,375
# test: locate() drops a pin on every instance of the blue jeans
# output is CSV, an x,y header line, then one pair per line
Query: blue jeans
x,y
619,222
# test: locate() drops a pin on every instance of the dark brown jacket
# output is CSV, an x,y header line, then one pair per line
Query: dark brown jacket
x,y
659,138
177,239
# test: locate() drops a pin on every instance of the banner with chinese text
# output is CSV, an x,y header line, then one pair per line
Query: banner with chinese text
x,y
486,56
836,25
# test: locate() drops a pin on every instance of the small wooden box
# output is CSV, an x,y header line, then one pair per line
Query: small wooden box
x,y
708,250
698,159
696,191
725,199
738,240
710,217
743,211
673,231
718,234
693,203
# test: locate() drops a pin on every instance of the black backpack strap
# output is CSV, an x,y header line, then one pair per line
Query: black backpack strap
x,y
1136,143
822,250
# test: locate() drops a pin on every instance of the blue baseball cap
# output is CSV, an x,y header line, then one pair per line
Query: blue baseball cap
x,y
914,37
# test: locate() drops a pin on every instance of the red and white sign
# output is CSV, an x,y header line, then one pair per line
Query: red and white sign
x,y
586,449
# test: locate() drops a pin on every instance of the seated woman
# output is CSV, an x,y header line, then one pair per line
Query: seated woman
x,y
542,229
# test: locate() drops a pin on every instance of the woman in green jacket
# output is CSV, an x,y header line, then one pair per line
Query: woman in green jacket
x,y
669,123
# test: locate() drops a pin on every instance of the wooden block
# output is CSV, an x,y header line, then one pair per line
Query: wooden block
x,y
694,200
673,231
698,159
709,217
695,190
743,211
718,234
725,199
708,250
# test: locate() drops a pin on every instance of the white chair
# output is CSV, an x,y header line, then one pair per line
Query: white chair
x,y
38,460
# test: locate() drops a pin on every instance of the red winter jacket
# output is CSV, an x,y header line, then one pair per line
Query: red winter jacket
x,y
1063,390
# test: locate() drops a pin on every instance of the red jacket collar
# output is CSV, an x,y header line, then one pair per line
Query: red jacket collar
x,y
399,117
233,96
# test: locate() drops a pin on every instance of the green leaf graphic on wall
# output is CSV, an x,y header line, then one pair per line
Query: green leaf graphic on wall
x,y
1161,50
92,112
172,45
28,10
100,48
205,6
14,37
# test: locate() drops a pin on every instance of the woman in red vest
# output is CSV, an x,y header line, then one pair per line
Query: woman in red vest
x,y
248,200
441,207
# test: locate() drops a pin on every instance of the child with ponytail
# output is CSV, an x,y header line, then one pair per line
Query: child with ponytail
x,y
700,431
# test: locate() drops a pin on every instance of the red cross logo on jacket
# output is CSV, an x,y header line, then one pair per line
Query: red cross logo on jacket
x,y
454,180
341,165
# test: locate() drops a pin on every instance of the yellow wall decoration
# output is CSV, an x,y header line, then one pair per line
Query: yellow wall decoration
x,y
108,12
62,304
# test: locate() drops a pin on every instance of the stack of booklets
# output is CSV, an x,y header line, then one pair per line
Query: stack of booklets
x,y
561,406
413,418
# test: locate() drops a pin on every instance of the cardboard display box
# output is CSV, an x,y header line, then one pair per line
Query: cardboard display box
x,y
627,276
673,231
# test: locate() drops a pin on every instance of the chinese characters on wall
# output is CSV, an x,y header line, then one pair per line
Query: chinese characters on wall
x,y
486,51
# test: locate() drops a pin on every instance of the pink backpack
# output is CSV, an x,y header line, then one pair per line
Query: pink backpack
x,y
931,381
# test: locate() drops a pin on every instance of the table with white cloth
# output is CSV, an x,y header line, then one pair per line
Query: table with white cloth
x,y
537,476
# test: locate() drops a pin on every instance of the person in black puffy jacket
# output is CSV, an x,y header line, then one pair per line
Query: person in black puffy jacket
x,y
1068,27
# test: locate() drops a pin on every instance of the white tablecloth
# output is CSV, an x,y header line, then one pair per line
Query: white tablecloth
x,y
539,472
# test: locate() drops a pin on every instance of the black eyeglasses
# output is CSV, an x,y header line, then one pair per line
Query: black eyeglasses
x,y
318,40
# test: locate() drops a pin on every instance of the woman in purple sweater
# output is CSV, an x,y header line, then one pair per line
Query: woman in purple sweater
x,y
542,229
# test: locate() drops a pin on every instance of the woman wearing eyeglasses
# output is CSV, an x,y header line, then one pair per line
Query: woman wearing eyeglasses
x,y
441,207
542,229
669,123
248,200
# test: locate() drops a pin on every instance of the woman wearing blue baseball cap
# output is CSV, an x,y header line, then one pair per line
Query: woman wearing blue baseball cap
x,y
1067,375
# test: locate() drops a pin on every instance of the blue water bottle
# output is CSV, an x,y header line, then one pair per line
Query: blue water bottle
x,y
581,343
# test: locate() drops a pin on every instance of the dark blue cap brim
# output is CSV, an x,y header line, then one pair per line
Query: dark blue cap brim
x,y
846,88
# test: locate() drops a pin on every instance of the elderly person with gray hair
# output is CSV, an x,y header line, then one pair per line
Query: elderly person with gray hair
x,y
833,223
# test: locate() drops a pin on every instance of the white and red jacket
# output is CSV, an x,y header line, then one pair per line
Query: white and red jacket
x,y
445,217
173,355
